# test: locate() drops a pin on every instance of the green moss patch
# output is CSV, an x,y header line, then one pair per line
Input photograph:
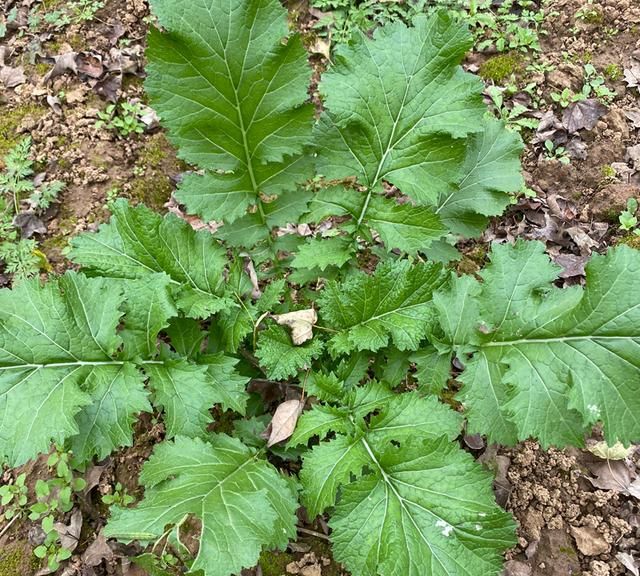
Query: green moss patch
x,y
10,121
17,559
500,67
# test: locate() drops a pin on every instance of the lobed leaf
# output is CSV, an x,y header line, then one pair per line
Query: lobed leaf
x,y
138,243
241,500
547,362
231,93
407,500
280,357
53,339
392,304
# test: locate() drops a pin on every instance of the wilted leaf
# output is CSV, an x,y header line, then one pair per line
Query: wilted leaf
x,y
29,224
301,323
89,64
606,452
70,534
284,421
634,116
614,475
12,77
63,63
321,46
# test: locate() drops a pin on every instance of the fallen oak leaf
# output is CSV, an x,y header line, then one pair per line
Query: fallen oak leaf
x,y
301,323
284,421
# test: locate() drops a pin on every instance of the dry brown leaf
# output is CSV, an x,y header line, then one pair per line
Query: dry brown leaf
x,y
632,75
284,421
97,551
301,323
583,114
629,562
70,534
63,63
634,116
589,541
614,475
616,452
10,77
321,46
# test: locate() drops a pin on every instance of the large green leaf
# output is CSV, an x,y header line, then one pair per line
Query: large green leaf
x,y
408,501
138,243
399,108
241,500
427,510
230,83
68,372
57,347
548,362
391,305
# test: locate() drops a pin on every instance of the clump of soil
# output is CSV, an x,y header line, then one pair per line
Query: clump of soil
x,y
566,525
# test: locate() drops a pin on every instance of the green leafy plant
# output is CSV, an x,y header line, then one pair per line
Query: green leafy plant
x,y
51,549
628,218
85,10
55,494
123,119
593,86
20,255
513,117
119,497
512,25
359,322
13,498
554,152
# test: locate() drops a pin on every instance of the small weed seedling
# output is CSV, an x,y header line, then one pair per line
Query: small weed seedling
x,y
54,498
593,87
628,219
119,497
123,119
553,152
51,549
13,498
514,116
20,255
